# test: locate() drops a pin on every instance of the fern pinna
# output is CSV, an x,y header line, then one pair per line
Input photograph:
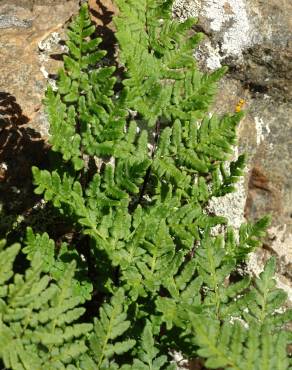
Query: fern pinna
x,y
141,159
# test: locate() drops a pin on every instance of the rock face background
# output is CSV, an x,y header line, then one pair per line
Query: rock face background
x,y
252,37
29,31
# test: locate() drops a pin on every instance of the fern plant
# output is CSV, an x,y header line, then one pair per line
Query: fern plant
x,y
141,159
38,316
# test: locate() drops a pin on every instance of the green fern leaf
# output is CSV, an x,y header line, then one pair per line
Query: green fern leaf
x,y
233,347
38,318
148,356
104,342
264,299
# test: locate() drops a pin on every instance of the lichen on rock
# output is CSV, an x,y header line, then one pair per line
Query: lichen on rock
x,y
252,38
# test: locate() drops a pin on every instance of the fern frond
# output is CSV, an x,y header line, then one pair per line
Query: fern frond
x,y
82,49
7,257
104,341
55,262
264,300
38,318
148,355
136,199
221,187
160,65
83,118
234,347
64,139
250,234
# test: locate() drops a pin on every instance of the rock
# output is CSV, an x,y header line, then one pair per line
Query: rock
x,y
25,24
253,38
102,12
7,21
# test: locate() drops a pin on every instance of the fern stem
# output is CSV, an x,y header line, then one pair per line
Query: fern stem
x,y
106,339
213,274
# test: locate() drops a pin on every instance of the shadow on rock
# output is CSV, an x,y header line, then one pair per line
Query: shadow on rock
x,y
102,13
20,148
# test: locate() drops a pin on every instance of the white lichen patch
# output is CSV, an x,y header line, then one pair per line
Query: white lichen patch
x,y
210,55
214,11
47,44
259,123
214,59
46,47
43,58
231,17
262,129
184,9
227,18
46,75
230,206
44,72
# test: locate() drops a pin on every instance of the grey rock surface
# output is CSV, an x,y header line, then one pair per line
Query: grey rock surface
x,y
7,21
253,38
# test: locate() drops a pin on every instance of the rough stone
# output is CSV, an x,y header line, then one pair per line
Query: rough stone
x,y
253,38
25,24
25,69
